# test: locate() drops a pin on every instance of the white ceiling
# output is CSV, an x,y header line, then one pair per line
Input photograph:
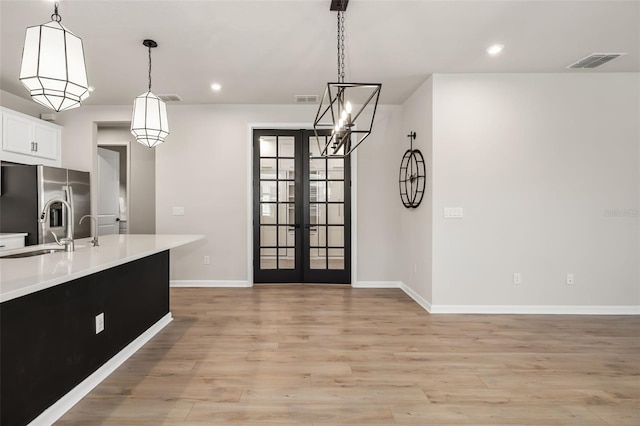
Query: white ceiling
x,y
267,51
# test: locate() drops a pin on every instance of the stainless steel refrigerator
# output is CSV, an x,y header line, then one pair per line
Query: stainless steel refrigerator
x,y
25,191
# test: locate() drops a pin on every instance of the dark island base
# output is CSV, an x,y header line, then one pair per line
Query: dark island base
x,y
48,343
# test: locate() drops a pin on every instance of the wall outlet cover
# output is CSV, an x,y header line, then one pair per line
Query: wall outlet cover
x,y
100,323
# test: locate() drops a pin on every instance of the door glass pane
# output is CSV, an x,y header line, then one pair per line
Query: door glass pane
x,y
316,145
268,213
317,191
336,258
287,236
267,191
335,173
336,214
287,213
286,191
268,236
287,258
335,168
267,258
267,146
336,236
286,167
321,235
336,191
317,258
317,169
318,214
268,168
286,146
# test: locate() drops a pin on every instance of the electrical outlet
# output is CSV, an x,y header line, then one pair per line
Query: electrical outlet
x,y
570,279
517,278
99,323
178,211
207,260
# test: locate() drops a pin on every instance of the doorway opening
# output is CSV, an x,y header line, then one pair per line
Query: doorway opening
x,y
301,210
126,182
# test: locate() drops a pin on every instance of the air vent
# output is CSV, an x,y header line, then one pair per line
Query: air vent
x,y
170,98
306,99
595,60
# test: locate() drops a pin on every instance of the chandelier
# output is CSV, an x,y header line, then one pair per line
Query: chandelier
x,y
53,66
149,122
337,110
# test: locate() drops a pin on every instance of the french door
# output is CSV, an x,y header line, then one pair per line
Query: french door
x,y
301,210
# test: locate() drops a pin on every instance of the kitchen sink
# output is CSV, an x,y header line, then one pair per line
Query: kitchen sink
x,y
30,253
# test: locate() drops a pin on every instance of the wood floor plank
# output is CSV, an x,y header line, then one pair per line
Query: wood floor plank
x,y
333,355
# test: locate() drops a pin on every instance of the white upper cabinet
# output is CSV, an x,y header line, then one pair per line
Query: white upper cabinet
x,y
29,140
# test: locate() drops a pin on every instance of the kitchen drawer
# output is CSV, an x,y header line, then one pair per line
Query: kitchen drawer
x,y
10,243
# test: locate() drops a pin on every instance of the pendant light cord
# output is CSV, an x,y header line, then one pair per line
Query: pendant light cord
x,y
340,47
149,68
56,17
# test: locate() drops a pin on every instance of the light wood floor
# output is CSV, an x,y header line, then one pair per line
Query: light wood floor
x,y
327,355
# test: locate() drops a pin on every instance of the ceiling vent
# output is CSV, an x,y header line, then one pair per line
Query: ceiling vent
x,y
170,98
306,99
595,60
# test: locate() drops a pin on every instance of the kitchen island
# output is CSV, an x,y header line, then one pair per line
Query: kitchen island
x,y
52,351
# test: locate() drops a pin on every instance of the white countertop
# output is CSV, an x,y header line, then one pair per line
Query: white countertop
x,y
23,276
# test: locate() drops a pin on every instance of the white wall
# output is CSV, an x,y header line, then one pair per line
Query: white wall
x,y
25,106
538,162
202,167
416,223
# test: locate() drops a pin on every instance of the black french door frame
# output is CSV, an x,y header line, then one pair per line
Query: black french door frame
x,y
302,270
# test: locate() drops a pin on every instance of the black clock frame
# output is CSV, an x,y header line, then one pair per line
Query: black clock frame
x,y
412,177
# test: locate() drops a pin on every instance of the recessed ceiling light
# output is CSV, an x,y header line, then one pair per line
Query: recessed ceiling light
x,y
216,87
91,88
495,49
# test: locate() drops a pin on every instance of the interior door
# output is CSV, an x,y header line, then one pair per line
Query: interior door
x,y
108,191
301,211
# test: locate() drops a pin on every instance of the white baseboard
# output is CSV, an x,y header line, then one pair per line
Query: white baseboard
x,y
209,283
535,309
416,297
64,404
520,309
377,284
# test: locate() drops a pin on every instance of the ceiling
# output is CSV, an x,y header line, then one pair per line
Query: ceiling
x,y
267,51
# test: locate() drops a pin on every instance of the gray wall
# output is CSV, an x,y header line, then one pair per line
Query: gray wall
x,y
546,168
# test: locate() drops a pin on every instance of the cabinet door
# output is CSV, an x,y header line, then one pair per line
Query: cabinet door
x,y
47,141
16,134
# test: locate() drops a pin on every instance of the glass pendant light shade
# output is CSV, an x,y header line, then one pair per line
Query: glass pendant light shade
x,y
53,66
149,123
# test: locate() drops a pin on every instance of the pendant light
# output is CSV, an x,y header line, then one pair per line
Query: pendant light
x,y
53,66
149,121
337,109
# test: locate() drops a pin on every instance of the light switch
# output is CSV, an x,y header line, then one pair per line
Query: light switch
x,y
178,211
453,213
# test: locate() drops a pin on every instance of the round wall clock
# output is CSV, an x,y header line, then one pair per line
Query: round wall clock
x,y
412,178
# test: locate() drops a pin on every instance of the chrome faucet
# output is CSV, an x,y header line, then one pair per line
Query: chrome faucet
x,y
94,240
67,241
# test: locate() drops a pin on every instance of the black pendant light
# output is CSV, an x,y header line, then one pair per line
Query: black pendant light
x,y
342,105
